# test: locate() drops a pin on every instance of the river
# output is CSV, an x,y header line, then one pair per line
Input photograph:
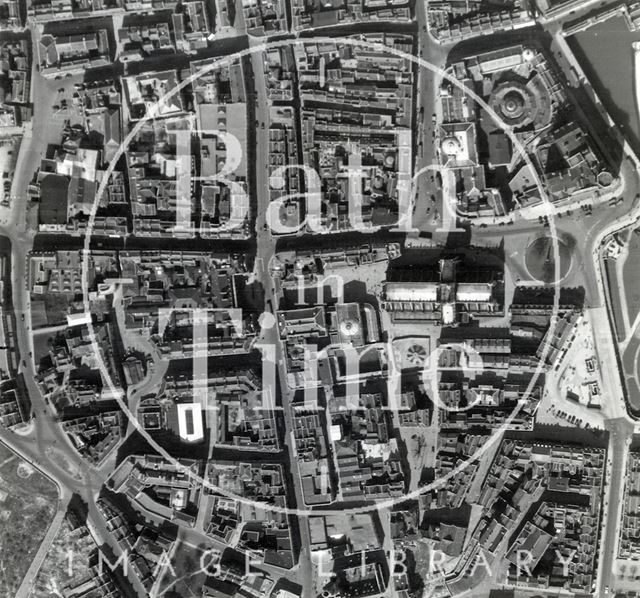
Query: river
x,y
607,58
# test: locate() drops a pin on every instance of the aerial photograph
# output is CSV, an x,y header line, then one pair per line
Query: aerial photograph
x,y
319,299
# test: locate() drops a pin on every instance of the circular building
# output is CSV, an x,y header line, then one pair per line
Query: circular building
x,y
451,147
522,104
540,260
349,328
390,161
513,104
605,178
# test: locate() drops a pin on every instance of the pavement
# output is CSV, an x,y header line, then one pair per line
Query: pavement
x,y
427,160
265,250
592,230
46,433
44,445
621,431
45,437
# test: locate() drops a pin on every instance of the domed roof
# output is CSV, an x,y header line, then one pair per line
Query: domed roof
x,y
451,146
349,328
513,103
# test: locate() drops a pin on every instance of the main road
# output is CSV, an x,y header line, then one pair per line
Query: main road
x,y
265,250
591,231
620,433
42,443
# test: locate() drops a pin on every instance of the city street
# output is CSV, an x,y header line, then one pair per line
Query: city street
x,y
265,250
372,464
621,431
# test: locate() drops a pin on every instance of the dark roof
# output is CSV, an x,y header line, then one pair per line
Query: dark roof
x,y
499,148
53,199
216,588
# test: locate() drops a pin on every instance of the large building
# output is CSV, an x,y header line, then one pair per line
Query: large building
x,y
73,52
190,426
445,301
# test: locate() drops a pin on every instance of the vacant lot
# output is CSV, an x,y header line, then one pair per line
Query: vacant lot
x,y
28,503
189,577
59,572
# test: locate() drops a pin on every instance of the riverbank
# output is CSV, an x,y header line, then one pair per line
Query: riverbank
x,y
606,54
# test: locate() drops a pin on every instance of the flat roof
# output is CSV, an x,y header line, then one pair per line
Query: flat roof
x,y
474,292
190,425
413,291
225,118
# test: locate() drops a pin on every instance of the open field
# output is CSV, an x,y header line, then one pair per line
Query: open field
x,y
188,579
28,503
69,561
631,273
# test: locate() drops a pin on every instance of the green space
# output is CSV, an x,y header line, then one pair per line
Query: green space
x,y
189,576
28,503
631,277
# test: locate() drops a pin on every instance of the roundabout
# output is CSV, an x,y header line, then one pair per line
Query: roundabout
x,y
540,259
